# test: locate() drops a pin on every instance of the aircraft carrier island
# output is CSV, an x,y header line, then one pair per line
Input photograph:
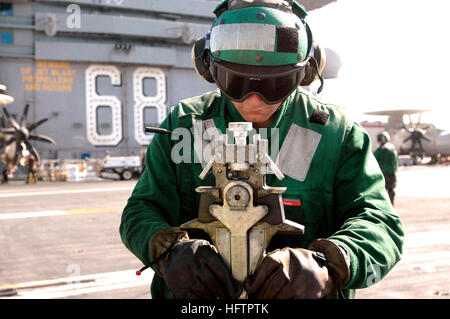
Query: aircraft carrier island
x,y
99,70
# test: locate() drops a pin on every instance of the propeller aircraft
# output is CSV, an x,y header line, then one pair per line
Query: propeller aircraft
x,y
419,140
15,136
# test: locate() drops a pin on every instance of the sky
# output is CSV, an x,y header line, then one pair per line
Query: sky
x,y
395,55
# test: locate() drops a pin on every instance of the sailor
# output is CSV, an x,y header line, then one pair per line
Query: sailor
x,y
257,53
8,169
387,158
31,170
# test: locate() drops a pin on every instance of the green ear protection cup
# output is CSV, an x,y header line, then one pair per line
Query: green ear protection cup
x,y
313,71
200,59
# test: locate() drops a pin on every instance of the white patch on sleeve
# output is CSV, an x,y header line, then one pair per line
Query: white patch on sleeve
x,y
243,36
297,152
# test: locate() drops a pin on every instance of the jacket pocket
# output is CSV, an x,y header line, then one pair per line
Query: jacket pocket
x,y
305,207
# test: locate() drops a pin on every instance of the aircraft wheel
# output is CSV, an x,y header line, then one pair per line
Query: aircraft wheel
x,y
126,174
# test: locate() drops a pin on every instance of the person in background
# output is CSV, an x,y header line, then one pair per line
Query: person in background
x,y
8,169
387,158
31,170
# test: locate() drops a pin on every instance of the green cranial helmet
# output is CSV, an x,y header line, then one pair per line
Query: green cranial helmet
x,y
256,46
260,33
383,137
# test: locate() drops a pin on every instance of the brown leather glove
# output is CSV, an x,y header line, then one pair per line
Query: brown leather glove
x,y
192,268
294,273
289,273
337,261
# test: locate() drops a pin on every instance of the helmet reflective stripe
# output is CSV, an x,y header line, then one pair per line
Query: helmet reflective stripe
x,y
259,36
243,36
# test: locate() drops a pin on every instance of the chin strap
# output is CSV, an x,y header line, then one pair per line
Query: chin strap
x,y
316,67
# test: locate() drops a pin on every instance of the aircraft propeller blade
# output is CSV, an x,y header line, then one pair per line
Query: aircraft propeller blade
x,y
42,138
7,130
16,155
10,119
38,123
3,122
421,147
8,142
410,121
23,121
33,151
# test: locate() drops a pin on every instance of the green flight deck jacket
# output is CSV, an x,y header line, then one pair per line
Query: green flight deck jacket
x,y
387,158
334,184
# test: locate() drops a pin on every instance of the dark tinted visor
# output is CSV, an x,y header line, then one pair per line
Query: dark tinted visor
x,y
272,89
